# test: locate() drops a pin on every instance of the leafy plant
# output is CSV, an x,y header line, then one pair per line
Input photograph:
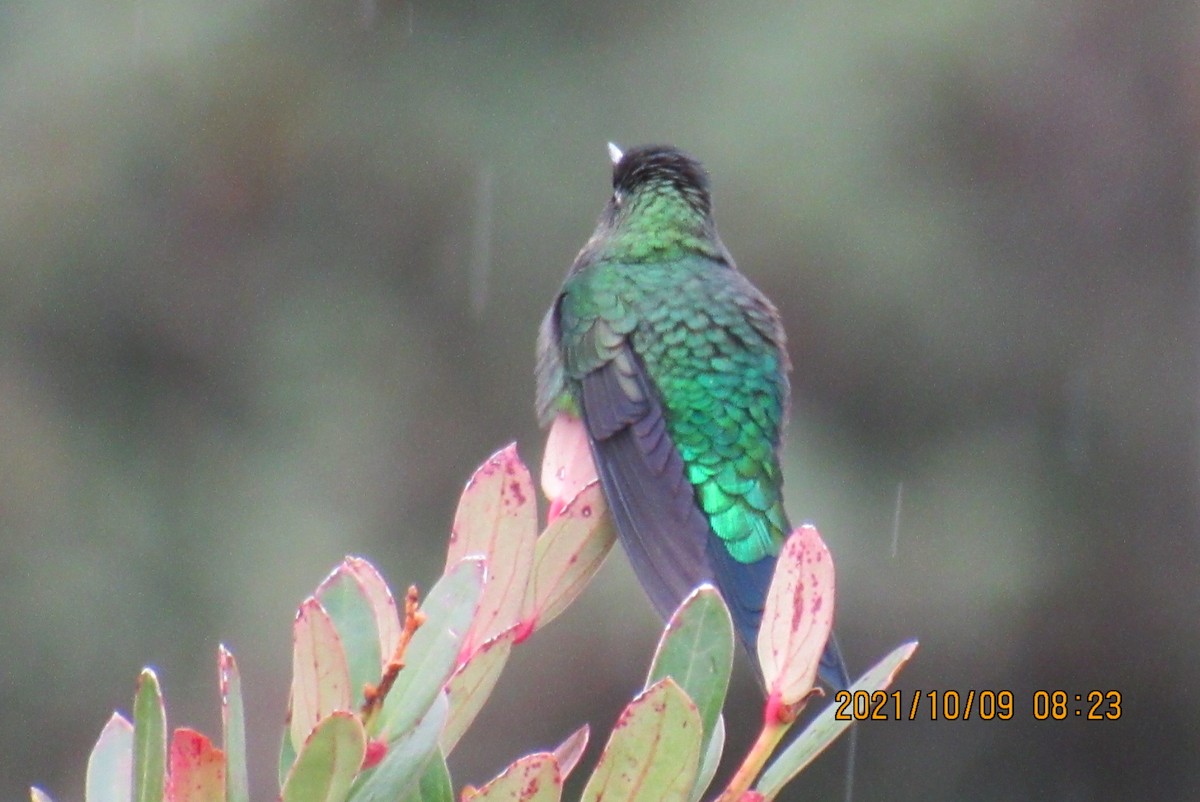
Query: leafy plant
x,y
382,692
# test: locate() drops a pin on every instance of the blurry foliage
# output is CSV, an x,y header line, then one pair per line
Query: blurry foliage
x,y
238,242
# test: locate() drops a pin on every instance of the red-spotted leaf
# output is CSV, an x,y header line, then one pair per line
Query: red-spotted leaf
x,y
110,766
328,761
571,750
825,728
497,520
233,727
567,466
798,617
653,752
533,778
472,683
149,740
320,676
568,555
197,772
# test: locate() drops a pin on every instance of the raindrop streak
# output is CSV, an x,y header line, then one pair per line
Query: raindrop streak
x,y
896,519
481,242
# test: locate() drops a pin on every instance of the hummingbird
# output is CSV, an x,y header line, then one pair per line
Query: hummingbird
x,y
675,364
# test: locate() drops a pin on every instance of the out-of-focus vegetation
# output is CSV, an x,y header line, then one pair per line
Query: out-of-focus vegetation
x,y
272,273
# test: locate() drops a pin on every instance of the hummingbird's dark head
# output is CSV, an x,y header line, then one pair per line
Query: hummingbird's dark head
x,y
659,171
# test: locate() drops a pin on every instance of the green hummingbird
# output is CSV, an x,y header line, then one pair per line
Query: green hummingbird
x,y
675,364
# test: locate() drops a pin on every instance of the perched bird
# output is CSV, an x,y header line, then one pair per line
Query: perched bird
x,y
675,364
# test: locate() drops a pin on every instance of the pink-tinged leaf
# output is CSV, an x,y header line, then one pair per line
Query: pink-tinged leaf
x,y
571,750
653,752
797,619
533,778
826,727
387,616
320,676
110,766
328,762
568,555
567,466
497,520
197,771
471,685
233,727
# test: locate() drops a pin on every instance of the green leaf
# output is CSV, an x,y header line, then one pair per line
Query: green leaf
x,y
353,615
653,752
824,729
797,617
497,520
570,751
197,769
149,740
711,760
401,769
328,762
568,555
110,766
533,778
320,675
471,685
287,752
387,617
233,727
434,649
434,785
696,650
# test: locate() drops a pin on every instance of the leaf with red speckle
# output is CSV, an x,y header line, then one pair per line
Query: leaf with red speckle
x,y
568,555
149,739
387,617
343,597
471,685
798,616
653,752
233,727
110,766
567,466
825,728
570,751
497,520
320,676
533,778
328,762
197,772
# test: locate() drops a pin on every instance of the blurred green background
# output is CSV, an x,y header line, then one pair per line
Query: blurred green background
x,y
271,277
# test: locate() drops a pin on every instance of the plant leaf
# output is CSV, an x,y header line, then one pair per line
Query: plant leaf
x,y
434,785
567,466
433,651
401,769
696,650
710,761
387,617
533,778
798,616
568,555
824,729
149,739
571,750
233,727
328,761
344,599
653,752
497,520
472,683
197,769
320,676
110,766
